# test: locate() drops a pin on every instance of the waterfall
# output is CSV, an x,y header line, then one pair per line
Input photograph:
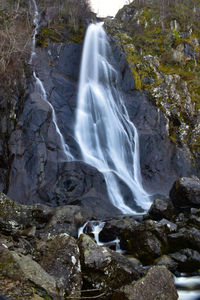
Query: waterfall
x,y
107,138
40,87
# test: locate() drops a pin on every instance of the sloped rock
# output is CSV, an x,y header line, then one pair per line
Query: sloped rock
x,y
157,284
170,226
103,268
60,259
23,268
186,192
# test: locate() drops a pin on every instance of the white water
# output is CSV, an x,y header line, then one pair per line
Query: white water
x,y
188,287
95,227
40,87
106,136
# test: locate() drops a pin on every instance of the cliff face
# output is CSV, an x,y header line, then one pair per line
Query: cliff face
x,y
33,165
161,43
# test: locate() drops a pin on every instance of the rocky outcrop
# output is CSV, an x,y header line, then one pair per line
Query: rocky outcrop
x,y
41,260
42,240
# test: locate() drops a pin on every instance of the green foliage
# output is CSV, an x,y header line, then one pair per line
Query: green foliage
x,y
176,34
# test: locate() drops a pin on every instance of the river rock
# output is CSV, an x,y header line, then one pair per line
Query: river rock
x,y
59,257
186,192
104,269
157,284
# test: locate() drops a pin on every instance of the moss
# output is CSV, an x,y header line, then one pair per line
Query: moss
x,y
78,36
48,35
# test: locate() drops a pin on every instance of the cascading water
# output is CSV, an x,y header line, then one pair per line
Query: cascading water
x,y
107,138
40,87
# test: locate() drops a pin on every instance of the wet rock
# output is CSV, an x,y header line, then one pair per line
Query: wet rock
x,y
23,268
59,257
157,284
103,268
161,209
185,192
188,260
166,261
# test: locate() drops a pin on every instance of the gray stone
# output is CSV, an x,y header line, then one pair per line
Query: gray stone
x,y
59,257
23,268
161,209
103,268
188,260
157,284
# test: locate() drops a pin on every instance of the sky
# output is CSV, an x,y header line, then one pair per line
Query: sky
x,y
106,8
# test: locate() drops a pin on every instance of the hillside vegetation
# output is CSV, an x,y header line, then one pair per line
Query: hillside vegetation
x,y
161,40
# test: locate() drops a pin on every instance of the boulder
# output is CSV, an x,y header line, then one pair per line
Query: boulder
x,y
185,238
185,192
157,284
188,260
59,257
24,268
104,269
118,227
166,261
66,219
144,240
161,209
